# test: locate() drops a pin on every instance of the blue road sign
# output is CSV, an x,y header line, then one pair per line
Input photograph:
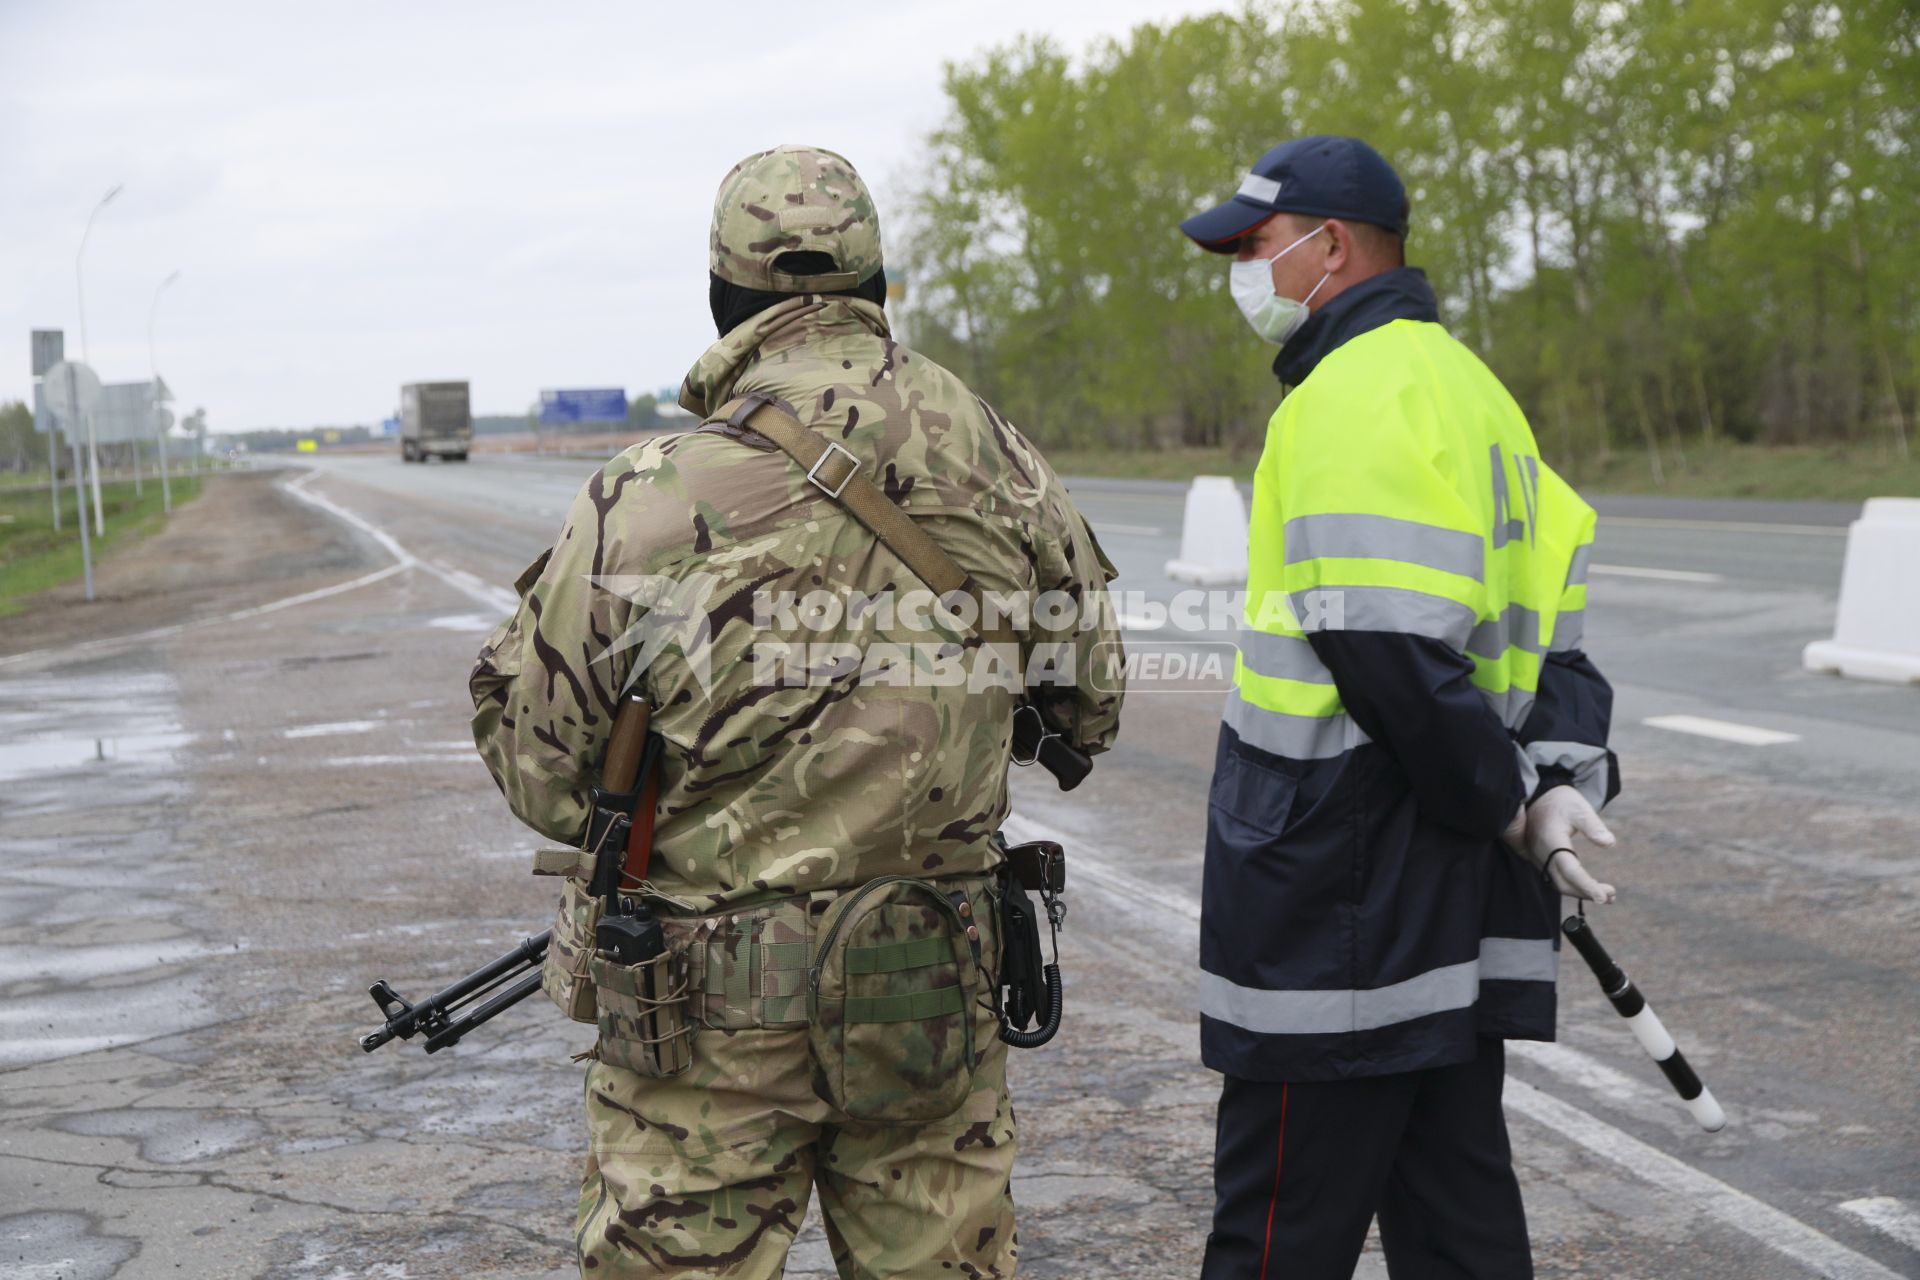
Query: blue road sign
x,y
597,404
389,426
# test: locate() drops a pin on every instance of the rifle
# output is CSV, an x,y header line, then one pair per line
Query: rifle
x,y
621,818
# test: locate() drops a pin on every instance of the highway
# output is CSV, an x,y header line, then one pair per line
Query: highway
x,y
293,811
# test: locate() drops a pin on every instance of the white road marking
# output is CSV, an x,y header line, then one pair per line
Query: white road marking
x,y
465,583
1662,575
65,653
1158,905
476,588
1726,730
1136,530
1729,526
1888,1216
1783,1233
1588,1072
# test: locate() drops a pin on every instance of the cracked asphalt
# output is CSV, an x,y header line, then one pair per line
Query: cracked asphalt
x,y
220,819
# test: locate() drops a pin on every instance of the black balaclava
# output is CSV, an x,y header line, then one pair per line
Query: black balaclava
x,y
733,305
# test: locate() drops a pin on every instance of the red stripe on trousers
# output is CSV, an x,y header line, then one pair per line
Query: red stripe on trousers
x,y
1279,1151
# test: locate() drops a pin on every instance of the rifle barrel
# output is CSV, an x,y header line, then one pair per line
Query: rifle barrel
x,y
451,1033
430,1014
530,951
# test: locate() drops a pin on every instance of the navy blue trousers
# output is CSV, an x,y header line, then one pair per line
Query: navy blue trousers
x,y
1300,1169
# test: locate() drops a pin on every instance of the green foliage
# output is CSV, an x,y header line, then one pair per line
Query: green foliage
x,y
1660,221
21,448
643,412
33,557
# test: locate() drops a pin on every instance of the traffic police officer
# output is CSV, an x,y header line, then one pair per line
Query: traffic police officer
x,y
776,797
1410,693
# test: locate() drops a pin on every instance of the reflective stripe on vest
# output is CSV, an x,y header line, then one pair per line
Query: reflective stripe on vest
x,y
1588,765
1310,1012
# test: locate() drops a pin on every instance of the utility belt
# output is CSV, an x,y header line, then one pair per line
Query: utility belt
x,y
748,968
888,978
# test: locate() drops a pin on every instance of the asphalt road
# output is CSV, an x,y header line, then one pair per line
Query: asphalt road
x,y
287,808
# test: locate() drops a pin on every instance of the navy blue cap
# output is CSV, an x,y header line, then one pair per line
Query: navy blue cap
x,y
1322,177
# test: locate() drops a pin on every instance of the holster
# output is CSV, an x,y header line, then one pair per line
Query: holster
x,y
1038,866
1023,985
592,874
609,820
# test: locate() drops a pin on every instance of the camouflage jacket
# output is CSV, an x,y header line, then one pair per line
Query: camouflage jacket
x,y
769,788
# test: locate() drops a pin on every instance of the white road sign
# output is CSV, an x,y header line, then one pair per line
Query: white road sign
x,y
60,389
125,412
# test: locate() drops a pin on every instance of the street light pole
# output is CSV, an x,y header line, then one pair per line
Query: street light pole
x,y
79,494
153,365
79,286
53,472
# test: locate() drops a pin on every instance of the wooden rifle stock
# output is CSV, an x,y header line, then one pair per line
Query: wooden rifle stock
x,y
627,745
632,756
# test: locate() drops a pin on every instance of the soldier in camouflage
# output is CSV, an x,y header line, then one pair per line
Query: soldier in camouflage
x,y
776,793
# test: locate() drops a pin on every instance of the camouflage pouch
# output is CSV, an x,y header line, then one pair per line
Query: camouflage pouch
x,y
643,1013
565,975
891,992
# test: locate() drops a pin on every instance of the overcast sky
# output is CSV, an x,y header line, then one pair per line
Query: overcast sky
x,y
361,195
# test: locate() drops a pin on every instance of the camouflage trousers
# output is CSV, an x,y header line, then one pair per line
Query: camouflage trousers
x,y
708,1173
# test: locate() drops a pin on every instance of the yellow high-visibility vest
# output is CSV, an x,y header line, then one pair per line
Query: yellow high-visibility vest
x,y
1401,490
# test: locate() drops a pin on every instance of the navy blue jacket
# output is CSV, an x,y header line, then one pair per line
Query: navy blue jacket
x,y
1360,916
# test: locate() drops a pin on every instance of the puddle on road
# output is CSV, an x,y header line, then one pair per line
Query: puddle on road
x,y
59,725
83,963
95,896
407,761
167,1135
332,730
56,755
60,1246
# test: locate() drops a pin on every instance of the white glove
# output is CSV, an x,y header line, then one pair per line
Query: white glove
x,y
1543,834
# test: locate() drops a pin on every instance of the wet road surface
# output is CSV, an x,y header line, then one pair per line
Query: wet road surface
x,y
212,839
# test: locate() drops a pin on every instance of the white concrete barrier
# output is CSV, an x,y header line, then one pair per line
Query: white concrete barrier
x,y
1213,535
1878,634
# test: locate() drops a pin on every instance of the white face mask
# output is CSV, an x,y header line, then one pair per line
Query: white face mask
x,y
1251,282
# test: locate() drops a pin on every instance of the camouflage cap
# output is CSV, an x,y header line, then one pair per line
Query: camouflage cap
x,y
787,200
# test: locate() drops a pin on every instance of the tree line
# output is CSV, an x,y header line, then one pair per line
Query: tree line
x,y
1659,221
24,449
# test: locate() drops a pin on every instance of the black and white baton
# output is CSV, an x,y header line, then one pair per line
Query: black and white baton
x,y
1647,1027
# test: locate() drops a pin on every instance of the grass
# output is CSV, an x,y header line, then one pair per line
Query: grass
x,y
1181,463
10,480
33,557
1841,473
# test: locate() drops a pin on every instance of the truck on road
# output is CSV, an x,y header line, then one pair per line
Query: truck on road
x,y
436,419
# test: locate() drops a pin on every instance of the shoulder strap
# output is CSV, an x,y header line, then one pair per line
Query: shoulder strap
x,y
836,472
